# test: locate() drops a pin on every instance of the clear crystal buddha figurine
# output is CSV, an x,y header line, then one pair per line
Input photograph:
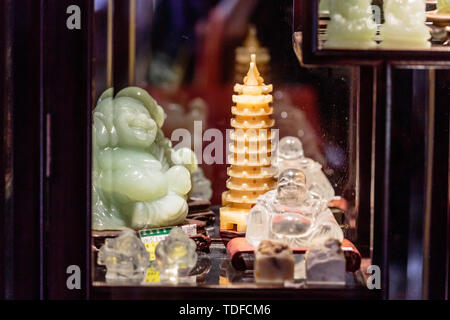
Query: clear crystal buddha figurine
x,y
293,214
176,256
290,155
125,258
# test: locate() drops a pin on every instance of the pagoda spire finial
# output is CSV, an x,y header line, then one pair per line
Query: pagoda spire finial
x,y
253,77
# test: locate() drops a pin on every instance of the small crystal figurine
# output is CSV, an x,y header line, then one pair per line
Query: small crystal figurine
x,y
290,155
125,258
292,214
176,256
325,262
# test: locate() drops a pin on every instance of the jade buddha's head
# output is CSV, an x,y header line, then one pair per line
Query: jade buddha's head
x,y
130,120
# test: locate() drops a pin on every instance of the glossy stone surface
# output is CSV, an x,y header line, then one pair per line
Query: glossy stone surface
x,y
139,181
125,258
176,256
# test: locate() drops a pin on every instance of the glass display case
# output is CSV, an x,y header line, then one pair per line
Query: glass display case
x,y
293,149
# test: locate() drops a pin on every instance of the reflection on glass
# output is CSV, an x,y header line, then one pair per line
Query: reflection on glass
x,y
351,25
404,27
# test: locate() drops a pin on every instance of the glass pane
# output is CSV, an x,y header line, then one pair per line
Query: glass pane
x,y
195,80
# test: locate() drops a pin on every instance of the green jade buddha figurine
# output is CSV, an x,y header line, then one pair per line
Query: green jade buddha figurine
x,y
139,181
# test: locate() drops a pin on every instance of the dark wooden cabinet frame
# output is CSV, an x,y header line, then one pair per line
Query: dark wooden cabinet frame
x,y
376,93
47,218
47,97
